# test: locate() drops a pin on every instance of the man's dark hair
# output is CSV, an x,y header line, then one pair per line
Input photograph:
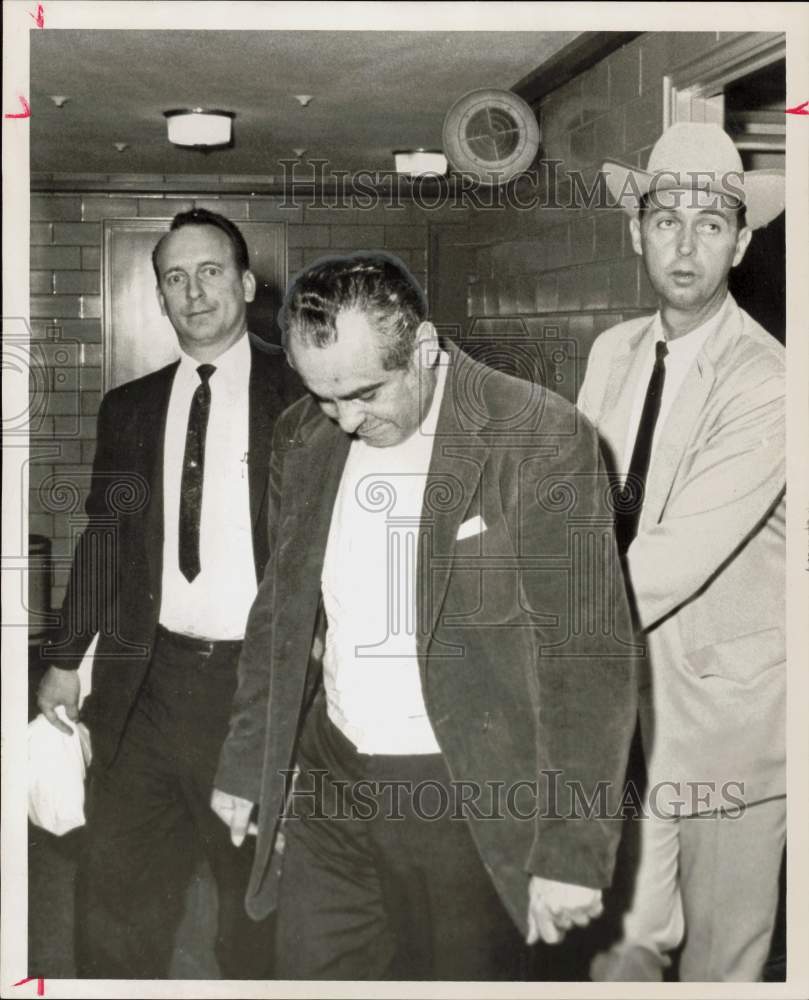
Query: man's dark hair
x,y
374,283
738,208
202,217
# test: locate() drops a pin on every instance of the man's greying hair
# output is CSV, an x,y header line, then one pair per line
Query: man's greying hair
x,y
202,217
373,283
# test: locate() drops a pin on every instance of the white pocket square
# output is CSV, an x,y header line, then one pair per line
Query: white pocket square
x,y
474,526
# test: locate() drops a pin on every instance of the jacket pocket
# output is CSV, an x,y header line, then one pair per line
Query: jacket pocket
x,y
742,658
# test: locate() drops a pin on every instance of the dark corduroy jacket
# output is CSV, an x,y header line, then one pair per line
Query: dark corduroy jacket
x,y
525,645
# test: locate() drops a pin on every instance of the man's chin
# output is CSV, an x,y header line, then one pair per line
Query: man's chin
x,y
374,442
683,297
381,437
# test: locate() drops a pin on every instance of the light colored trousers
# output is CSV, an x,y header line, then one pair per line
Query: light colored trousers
x,y
711,880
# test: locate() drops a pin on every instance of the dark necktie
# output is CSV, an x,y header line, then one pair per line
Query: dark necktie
x,y
193,467
632,495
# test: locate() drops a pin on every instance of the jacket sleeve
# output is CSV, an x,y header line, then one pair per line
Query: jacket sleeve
x,y
242,758
583,677
91,589
735,475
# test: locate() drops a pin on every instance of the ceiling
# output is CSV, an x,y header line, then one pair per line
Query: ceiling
x,y
373,92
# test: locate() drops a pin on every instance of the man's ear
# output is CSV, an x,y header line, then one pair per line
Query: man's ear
x,y
634,232
249,286
427,346
161,300
742,243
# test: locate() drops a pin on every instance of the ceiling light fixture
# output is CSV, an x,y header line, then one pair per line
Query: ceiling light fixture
x,y
417,162
199,128
59,100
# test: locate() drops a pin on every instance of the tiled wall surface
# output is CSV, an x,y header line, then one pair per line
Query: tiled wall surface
x,y
66,310
573,264
575,258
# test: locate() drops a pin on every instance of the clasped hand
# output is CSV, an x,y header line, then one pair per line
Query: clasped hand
x,y
234,812
555,907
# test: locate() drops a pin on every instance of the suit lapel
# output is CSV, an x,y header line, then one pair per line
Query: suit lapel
x,y
259,433
674,436
626,371
458,457
151,446
312,471
265,403
679,427
311,477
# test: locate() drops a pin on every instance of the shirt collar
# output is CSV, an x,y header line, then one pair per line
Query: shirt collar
x,y
689,345
232,366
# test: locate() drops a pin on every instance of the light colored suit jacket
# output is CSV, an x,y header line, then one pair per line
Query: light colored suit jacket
x,y
707,569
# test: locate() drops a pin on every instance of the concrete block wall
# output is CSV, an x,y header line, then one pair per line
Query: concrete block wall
x,y
66,310
572,264
565,256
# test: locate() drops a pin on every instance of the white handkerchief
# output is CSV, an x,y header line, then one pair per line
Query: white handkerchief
x,y
474,526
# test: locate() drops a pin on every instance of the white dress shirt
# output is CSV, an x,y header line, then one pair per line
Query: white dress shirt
x,y
682,352
370,665
215,604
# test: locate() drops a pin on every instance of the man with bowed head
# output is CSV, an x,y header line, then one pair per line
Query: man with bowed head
x,y
414,632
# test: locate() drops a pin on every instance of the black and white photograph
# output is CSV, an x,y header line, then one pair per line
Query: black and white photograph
x,y
399,405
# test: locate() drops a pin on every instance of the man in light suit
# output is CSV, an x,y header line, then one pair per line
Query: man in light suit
x,y
428,651
690,406
166,571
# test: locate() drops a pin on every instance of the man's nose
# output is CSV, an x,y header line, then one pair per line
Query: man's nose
x,y
685,243
193,288
349,415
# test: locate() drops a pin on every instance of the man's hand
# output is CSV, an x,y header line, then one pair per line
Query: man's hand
x,y
235,813
555,907
59,687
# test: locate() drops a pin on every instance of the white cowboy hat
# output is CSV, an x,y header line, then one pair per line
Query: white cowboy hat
x,y
694,155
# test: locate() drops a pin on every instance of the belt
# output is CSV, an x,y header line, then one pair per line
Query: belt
x,y
192,644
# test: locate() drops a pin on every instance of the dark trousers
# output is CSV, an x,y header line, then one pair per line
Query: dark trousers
x,y
386,889
149,822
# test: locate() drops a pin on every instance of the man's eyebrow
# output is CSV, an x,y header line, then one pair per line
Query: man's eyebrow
x,y
351,395
202,263
363,390
661,209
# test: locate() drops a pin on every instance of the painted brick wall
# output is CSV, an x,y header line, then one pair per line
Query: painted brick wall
x,y
579,260
66,310
574,265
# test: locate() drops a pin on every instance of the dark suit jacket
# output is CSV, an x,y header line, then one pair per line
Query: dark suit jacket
x,y
525,652
116,576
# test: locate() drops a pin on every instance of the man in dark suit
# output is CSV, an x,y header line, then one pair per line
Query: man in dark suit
x,y
165,572
440,646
